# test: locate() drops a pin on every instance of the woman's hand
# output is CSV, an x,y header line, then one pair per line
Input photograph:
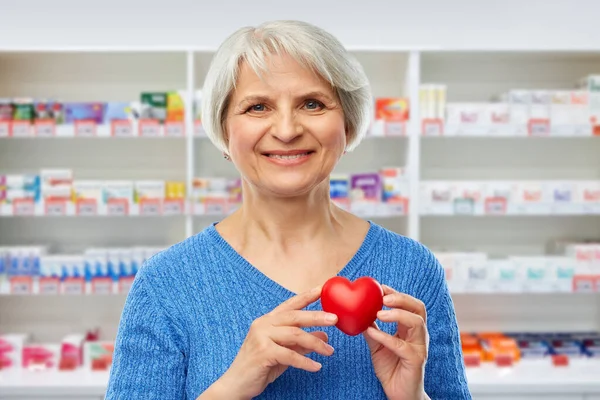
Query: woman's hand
x,y
275,342
399,360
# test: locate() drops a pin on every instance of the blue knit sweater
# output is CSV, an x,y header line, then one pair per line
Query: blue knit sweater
x,y
191,305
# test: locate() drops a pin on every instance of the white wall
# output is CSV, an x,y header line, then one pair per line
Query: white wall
x,y
455,24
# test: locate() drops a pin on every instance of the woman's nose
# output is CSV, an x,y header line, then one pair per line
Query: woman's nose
x,y
286,128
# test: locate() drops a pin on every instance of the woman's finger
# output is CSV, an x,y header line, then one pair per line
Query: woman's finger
x,y
411,327
298,339
318,334
290,358
303,319
403,301
300,301
396,345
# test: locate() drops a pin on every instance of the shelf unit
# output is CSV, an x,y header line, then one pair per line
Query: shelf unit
x,y
525,381
120,74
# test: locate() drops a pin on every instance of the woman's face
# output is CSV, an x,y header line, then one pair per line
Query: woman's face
x,y
285,129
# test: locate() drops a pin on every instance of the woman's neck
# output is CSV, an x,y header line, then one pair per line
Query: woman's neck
x,y
286,222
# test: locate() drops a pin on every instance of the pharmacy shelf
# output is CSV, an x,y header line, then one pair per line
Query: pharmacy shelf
x,y
536,377
592,210
169,209
525,378
85,129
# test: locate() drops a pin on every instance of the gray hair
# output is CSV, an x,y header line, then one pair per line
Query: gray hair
x,y
305,43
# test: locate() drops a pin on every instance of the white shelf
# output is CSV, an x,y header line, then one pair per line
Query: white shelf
x,y
524,378
536,377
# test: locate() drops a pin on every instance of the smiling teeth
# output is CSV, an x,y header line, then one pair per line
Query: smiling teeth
x,y
293,157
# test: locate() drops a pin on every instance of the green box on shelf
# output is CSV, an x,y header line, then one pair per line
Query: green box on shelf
x,y
154,106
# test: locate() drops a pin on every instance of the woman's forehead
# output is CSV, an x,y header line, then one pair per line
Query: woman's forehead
x,y
279,72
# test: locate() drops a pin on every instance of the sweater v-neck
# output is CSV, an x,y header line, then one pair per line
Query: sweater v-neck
x,y
349,271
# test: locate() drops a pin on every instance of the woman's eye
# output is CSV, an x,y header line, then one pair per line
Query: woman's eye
x,y
256,108
313,105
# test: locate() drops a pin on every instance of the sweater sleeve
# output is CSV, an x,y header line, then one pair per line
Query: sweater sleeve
x,y
445,376
149,361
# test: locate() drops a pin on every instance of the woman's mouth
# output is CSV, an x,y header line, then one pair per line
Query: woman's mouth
x,y
288,156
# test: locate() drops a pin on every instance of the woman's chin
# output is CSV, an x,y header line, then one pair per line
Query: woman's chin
x,y
290,189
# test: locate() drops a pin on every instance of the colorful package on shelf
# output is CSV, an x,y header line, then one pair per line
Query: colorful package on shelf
x,y
175,190
591,84
534,273
41,357
11,350
339,187
49,110
531,345
23,261
118,190
437,197
154,106
6,110
71,266
588,196
88,190
50,266
471,349
570,113
23,181
175,107
591,345
465,119
149,190
391,114
56,184
84,112
496,345
23,110
565,344
116,264
96,264
71,352
365,187
432,99
394,184
118,111
98,355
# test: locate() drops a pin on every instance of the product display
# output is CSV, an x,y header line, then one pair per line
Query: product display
x,y
154,115
510,197
32,270
391,117
57,192
505,349
569,112
575,269
76,351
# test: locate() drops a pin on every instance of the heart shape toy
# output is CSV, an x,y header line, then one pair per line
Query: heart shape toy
x,y
355,303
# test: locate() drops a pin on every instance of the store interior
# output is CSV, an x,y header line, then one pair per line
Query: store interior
x,y
485,144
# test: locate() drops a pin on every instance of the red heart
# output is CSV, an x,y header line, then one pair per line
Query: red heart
x,y
355,303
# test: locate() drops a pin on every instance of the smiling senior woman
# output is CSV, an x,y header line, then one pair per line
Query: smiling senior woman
x,y
218,316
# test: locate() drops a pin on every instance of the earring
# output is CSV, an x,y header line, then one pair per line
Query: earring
x,y
226,156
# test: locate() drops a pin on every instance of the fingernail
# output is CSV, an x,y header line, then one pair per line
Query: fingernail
x,y
331,318
318,364
330,347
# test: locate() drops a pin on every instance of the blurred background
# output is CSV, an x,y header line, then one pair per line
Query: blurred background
x,y
485,146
